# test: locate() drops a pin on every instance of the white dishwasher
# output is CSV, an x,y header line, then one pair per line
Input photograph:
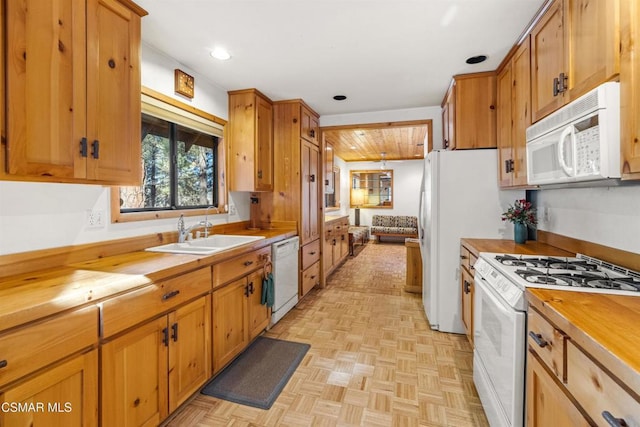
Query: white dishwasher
x,y
285,277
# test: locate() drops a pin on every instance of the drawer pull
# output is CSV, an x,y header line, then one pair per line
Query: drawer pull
x,y
538,339
613,421
313,277
170,295
247,263
312,253
3,363
463,257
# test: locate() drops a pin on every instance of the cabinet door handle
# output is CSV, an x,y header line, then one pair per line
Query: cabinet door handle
x,y
247,263
312,133
165,337
313,277
538,339
3,363
95,149
326,182
463,257
170,295
174,332
251,288
562,82
246,291
260,174
467,287
613,421
312,178
556,86
312,253
83,147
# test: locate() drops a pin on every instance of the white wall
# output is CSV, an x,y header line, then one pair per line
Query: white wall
x,y
37,216
608,216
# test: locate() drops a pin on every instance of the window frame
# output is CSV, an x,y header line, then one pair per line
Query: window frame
x,y
150,214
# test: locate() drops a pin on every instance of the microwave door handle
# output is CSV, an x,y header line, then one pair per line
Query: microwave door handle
x,y
568,132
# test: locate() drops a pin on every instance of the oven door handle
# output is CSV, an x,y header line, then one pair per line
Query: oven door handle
x,y
483,285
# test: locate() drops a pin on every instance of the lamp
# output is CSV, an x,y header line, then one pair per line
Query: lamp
x,y
357,199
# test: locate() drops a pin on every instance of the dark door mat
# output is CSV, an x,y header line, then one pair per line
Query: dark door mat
x,y
258,375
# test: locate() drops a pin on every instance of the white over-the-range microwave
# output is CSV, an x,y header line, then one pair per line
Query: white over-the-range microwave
x,y
579,142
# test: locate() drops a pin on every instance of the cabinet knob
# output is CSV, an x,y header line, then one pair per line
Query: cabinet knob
x,y
3,363
312,178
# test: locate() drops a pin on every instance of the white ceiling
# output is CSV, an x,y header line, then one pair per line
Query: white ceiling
x,y
384,55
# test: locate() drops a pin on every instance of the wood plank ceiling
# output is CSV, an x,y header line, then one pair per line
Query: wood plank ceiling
x,y
398,141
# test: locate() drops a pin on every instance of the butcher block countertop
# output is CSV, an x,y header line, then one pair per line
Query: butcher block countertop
x,y
605,326
39,294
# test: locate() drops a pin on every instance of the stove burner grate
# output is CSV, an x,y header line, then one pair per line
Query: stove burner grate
x,y
547,262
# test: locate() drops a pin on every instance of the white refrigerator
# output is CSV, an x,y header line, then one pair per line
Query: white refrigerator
x,y
459,198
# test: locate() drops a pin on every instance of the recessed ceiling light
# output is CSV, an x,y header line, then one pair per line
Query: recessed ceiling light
x,y
476,59
340,97
353,147
220,53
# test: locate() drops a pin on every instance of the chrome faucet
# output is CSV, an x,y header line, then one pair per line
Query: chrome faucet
x,y
207,224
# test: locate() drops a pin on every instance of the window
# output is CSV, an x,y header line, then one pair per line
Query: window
x,y
182,163
178,169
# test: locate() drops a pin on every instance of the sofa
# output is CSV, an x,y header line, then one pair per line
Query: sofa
x,y
394,226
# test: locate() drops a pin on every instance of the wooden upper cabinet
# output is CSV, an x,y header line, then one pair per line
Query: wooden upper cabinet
x,y
469,112
309,129
630,88
329,182
574,48
310,228
513,117
250,141
80,120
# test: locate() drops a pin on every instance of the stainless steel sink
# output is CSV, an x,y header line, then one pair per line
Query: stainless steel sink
x,y
206,246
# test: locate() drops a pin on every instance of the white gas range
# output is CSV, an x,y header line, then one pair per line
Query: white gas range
x,y
500,318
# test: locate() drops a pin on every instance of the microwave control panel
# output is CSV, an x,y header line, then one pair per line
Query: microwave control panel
x,y
588,151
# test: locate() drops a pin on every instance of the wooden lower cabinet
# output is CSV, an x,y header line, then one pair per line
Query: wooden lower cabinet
x,y
63,396
467,289
336,244
149,371
238,317
547,403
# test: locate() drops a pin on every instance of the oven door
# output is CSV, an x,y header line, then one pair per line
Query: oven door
x,y
499,355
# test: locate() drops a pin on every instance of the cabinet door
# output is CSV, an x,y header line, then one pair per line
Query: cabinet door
x,y
449,119
630,89
547,61
259,315
344,244
309,128
310,192
329,187
67,393
190,350
475,112
134,377
46,114
113,92
230,334
264,145
520,111
505,127
327,251
593,43
547,403
467,284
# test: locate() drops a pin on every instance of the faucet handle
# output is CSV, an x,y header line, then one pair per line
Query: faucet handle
x,y
181,223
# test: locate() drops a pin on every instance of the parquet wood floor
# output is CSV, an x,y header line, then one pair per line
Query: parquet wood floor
x,y
373,360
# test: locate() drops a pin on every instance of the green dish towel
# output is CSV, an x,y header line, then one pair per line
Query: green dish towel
x,y
267,290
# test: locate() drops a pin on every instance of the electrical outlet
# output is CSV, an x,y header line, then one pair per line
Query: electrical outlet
x,y
95,218
232,210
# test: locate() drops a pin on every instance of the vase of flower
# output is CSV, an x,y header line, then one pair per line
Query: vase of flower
x,y
522,215
519,232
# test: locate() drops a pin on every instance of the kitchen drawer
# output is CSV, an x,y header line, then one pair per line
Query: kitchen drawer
x,y
310,278
239,266
328,231
40,344
597,392
310,254
464,257
548,343
134,307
